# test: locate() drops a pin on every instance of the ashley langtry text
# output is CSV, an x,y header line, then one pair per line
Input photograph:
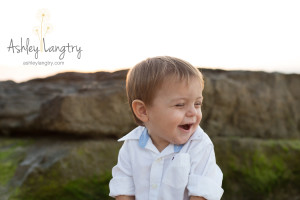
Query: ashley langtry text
x,y
35,49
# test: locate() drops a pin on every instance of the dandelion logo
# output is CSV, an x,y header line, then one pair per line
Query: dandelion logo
x,y
41,31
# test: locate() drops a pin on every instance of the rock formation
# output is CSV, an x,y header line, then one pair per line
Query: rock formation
x,y
58,134
237,103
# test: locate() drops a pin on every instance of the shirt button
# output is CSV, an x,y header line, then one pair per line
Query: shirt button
x,y
158,160
154,186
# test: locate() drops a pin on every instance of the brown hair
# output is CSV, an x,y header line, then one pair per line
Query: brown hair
x,y
144,79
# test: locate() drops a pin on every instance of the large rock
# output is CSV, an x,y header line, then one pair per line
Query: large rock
x,y
69,103
236,103
104,113
251,104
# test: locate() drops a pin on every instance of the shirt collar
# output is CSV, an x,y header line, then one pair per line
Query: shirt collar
x,y
145,137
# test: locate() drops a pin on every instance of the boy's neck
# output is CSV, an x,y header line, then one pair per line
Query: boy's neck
x,y
160,146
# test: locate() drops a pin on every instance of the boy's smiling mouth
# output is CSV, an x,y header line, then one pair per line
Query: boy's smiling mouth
x,y
186,126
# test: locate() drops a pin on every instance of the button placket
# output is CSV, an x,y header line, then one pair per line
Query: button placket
x,y
155,177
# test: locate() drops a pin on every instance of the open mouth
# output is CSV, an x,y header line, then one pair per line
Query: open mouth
x,y
186,126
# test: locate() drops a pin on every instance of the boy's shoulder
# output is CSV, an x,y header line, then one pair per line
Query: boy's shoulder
x,y
135,134
200,136
198,141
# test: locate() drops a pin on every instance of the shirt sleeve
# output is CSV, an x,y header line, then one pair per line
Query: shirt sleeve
x,y
205,177
122,181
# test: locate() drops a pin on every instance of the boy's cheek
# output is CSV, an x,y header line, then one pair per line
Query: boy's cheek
x,y
200,113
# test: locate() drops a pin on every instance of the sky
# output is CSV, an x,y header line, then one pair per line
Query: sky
x,y
116,34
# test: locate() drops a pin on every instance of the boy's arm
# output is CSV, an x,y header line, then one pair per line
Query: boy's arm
x,y
122,197
205,177
196,198
122,183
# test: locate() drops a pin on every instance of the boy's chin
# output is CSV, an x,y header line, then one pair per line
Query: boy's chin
x,y
181,142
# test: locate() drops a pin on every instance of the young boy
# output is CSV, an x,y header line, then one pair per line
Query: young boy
x,y
168,157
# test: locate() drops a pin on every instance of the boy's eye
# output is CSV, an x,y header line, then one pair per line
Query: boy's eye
x,y
179,105
198,104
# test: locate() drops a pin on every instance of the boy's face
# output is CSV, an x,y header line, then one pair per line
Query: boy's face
x,y
175,112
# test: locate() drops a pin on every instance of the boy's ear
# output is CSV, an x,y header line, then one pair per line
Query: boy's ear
x,y
139,109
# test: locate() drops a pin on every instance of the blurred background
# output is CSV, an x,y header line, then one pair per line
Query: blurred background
x,y
59,124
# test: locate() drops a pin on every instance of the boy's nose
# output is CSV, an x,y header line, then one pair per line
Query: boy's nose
x,y
191,111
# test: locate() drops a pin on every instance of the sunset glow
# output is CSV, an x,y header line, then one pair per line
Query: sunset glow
x,y
242,35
